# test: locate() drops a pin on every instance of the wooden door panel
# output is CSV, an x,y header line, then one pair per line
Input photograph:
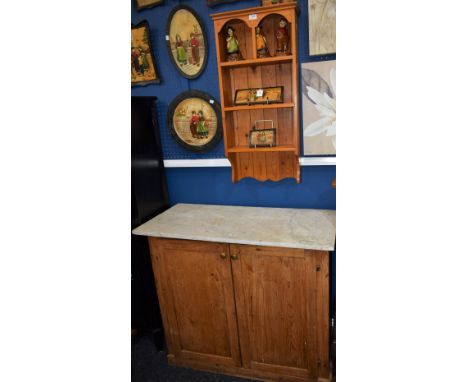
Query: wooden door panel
x,y
276,301
199,291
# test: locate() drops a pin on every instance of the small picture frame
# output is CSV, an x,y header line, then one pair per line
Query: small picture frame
x,y
257,96
262,137
143,4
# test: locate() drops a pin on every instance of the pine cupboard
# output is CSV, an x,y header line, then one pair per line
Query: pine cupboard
x,y
249,309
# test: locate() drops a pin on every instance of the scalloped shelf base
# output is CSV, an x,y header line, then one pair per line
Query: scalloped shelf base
x,y
264,166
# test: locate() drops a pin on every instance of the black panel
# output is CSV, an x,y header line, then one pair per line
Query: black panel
x,y
149,198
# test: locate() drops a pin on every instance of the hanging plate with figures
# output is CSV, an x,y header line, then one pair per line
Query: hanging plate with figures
x,y
194,119
186,41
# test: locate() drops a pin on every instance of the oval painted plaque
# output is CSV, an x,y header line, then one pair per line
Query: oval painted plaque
x,y
186,41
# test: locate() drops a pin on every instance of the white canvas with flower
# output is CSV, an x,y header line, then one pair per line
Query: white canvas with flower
x,y
319,107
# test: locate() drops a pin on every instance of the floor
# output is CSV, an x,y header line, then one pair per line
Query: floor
x,y
150,365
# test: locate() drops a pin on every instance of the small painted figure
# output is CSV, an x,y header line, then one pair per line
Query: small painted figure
x,y
262,48
144,61
135,63
194,44
194,124
181,53
202,131
282,38
232,45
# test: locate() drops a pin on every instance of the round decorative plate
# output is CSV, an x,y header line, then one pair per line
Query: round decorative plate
x,y
194,119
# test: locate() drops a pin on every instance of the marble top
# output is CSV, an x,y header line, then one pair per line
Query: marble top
x,y
278,227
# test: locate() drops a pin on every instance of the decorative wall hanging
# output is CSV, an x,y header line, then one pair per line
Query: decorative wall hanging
x,y
186,41
211,3
194,119
319,107
142,4
143,65
322,27
259,96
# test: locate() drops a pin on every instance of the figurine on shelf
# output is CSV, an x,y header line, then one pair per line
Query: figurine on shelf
x,y
232,45
282,38
262,48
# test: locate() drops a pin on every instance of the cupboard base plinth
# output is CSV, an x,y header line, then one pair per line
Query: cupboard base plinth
x,y
239,371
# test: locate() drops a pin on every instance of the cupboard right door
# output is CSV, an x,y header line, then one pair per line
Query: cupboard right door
x,y
282,300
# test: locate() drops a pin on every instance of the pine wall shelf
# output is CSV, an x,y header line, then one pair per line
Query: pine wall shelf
x,y
280,161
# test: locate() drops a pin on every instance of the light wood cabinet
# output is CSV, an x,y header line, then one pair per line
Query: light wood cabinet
x,y
244,310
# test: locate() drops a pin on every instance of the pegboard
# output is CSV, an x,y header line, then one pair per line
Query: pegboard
x,y
172,83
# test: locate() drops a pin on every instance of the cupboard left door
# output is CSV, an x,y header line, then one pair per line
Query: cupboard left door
x,y
196,294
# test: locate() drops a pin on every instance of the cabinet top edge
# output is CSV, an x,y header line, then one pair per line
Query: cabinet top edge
x,y
264,226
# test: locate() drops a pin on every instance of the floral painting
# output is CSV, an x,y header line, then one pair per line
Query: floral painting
x,y
186,41
319,107
322,26
142,61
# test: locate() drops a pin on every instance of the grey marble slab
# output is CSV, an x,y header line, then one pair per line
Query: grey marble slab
x,y
279,227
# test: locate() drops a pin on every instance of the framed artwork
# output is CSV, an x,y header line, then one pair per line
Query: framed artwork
x,y
194,120
259,96
186,41
216,2
262,137
322,27
142,4
319,107
143,65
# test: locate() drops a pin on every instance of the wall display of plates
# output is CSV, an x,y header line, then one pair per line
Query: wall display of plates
x,y
186,41
143,67
142,4
194,120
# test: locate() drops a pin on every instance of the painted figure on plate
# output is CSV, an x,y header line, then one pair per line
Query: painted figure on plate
x,y
202,131
194,44
194,124
181,53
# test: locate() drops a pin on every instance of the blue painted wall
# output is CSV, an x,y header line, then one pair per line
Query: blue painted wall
x,y
213,185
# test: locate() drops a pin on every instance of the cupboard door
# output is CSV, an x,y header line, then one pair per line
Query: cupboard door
x,y
283,310
194,284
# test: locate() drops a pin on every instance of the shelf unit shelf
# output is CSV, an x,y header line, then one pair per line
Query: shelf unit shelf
x,y
247,149
257,61
260,106
262,163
